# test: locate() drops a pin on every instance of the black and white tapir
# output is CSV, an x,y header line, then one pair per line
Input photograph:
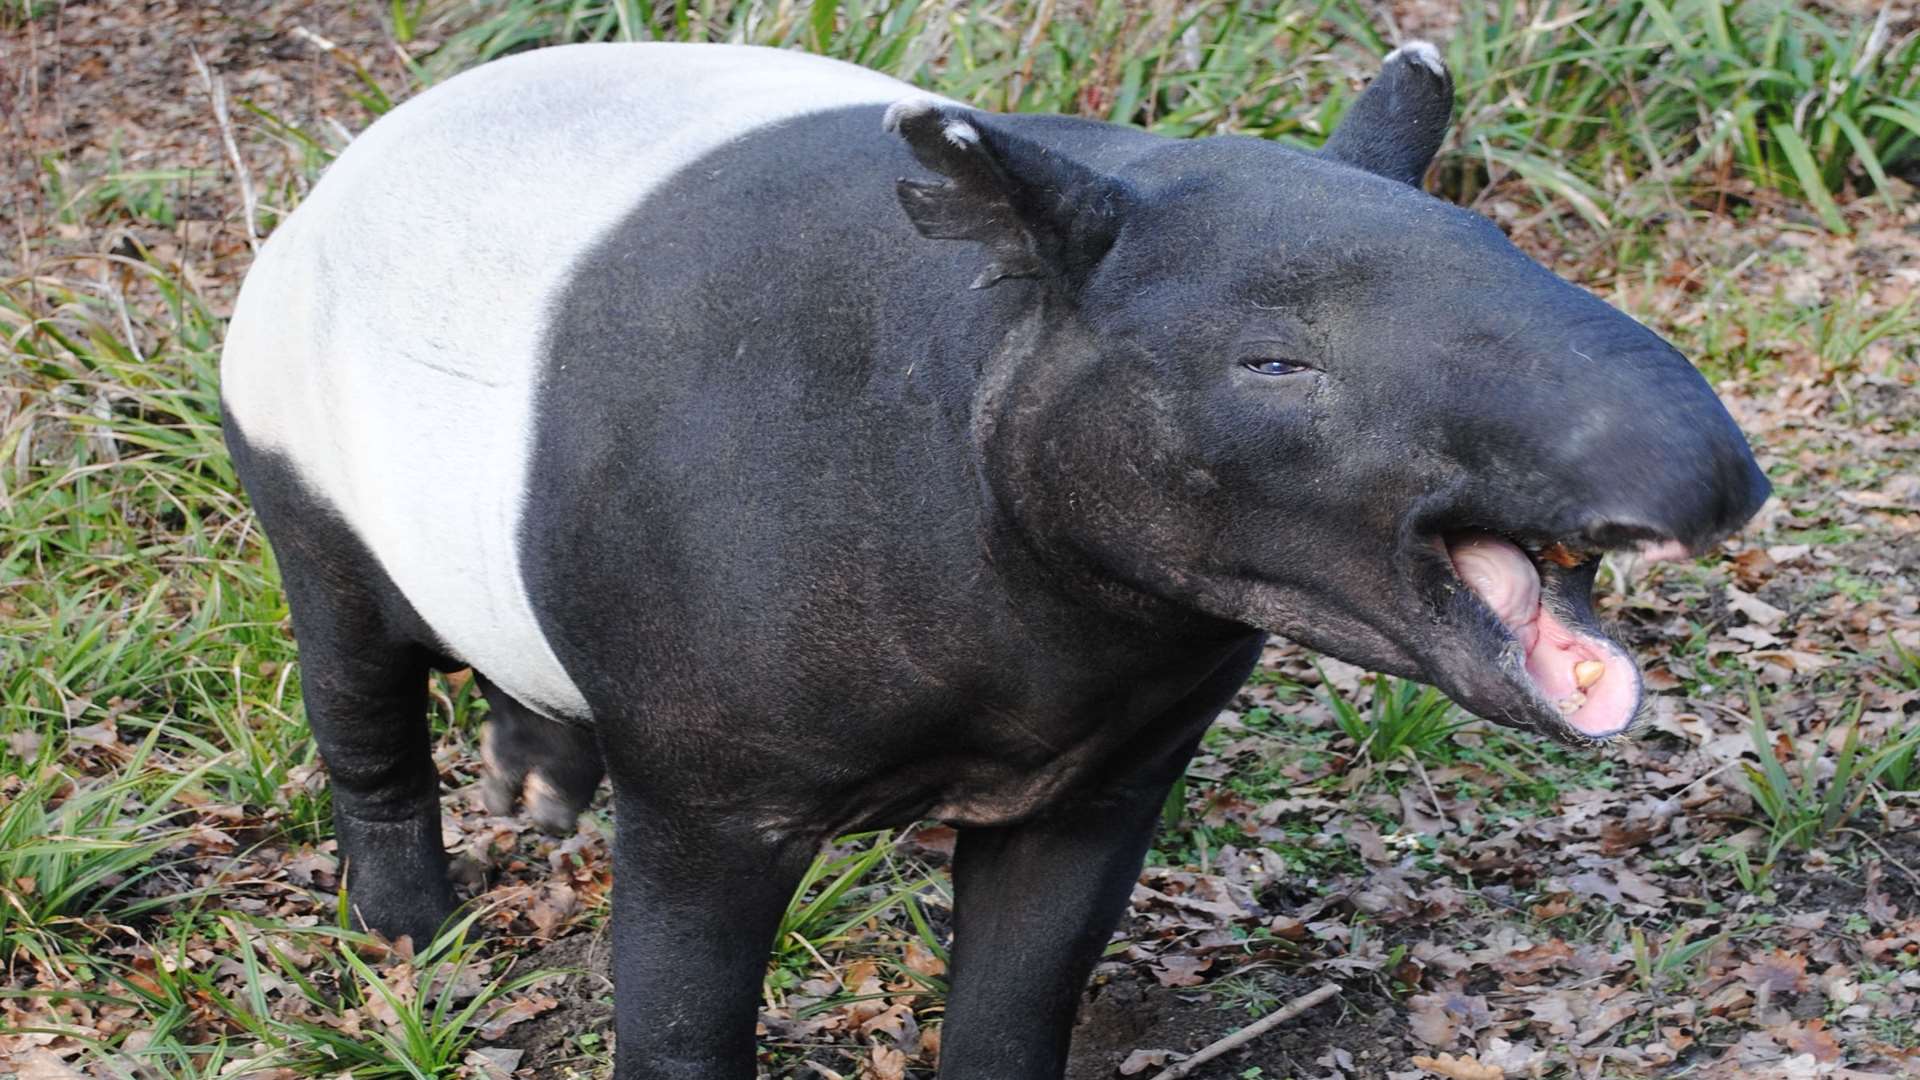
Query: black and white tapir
x,y
813,455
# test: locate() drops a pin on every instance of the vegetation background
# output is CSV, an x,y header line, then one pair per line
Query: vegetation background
x,y
1735,893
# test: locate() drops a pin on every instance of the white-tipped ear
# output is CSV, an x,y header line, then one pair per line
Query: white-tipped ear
x,y
907,109
1423,53
1036,213
1397,124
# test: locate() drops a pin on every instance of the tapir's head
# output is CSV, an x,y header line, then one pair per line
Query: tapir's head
x,y
1295,391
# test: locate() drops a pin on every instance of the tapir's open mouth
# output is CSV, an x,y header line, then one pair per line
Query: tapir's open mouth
x,y
1526,611
1542,598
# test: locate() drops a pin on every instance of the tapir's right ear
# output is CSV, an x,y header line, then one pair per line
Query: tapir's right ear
x,y
1039,215
1398,122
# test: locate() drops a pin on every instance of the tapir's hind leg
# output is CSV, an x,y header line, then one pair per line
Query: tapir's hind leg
x,y
553,767
363,675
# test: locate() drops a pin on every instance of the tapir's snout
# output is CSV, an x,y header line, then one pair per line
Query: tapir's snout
x,y
1575,423
1600,438
1652,460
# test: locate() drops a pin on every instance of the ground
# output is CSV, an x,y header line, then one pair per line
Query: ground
x,y
1733,893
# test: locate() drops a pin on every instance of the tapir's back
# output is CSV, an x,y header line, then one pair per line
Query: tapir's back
x,y
388,342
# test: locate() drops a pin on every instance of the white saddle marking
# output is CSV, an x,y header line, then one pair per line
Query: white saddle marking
x,y
388,339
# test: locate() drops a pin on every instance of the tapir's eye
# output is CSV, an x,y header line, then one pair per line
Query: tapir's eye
x,y
1274,367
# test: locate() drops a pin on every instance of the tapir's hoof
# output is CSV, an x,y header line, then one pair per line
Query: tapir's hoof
x,y
550,808
517,774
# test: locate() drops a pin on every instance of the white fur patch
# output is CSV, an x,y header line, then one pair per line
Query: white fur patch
x,y
961,134
389,338
1423,53
907,109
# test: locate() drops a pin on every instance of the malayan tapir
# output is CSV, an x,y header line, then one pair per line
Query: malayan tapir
x,y
812,454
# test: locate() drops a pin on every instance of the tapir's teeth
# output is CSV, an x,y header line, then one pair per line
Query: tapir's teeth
x,y
1571,704
1588,672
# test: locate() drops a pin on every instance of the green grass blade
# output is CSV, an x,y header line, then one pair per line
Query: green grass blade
x,y
1811,184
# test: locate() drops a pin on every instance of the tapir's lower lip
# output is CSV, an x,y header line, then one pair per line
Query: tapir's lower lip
x,y
1524,608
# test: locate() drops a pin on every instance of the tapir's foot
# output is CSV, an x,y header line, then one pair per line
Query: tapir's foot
x,y
396,872
551,768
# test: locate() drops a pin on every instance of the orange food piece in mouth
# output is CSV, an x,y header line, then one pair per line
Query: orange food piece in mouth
x,y
1558,555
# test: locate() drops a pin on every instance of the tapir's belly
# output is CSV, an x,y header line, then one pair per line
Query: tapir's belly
x,y
389,341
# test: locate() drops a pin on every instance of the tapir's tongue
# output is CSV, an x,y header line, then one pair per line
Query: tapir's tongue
x,y
1558,654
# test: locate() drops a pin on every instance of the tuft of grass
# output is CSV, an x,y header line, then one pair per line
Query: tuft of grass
x,y
1896,765
1802,810
1903,664
1639,102
71,847
428,1015
1670,962
1405,719
1243,991
850,883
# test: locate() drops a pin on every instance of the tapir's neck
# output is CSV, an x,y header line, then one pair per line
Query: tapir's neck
x,y
1044,509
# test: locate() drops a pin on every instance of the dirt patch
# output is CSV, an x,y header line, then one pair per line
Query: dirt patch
x,y
1124,1014
551,1045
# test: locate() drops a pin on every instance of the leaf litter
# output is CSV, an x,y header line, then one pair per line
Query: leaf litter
x,y
1491,908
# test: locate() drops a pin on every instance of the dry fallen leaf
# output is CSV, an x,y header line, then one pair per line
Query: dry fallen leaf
x,y
1141,1060
921,959
1778,972
1440,1019
1181,969
884,1063
1810,1037
521,1008
1757,611
1460,1068
44,1065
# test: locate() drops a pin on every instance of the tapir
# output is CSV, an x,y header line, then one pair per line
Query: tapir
x,y
814,454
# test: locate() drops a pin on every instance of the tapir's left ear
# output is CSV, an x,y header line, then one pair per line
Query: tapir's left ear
x,y
1038,214
1397,125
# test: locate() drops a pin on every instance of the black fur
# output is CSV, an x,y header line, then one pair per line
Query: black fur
x,y
830,539
364,660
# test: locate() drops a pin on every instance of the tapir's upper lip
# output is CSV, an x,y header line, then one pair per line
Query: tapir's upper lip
x,y
1525,666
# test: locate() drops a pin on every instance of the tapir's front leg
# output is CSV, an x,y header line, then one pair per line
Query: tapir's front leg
x,y
696,901
1035,903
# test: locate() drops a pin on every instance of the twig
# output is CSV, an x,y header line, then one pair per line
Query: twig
x,y
1249,1033
1888,856
1433,796
217,89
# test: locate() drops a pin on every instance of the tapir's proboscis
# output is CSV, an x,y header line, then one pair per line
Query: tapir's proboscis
x,y
809,454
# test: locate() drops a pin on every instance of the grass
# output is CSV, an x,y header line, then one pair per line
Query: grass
x,y
1666,962
1804,799
841,891
150,691
70,849
1634,107
1405,720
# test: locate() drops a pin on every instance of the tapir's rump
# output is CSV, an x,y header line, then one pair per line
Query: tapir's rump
x,y
389,339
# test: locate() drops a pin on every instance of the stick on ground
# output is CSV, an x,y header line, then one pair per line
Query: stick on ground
x,y
1249,1033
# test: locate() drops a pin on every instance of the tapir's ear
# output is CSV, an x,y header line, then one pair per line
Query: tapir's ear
x,y
1397,124
1038,214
